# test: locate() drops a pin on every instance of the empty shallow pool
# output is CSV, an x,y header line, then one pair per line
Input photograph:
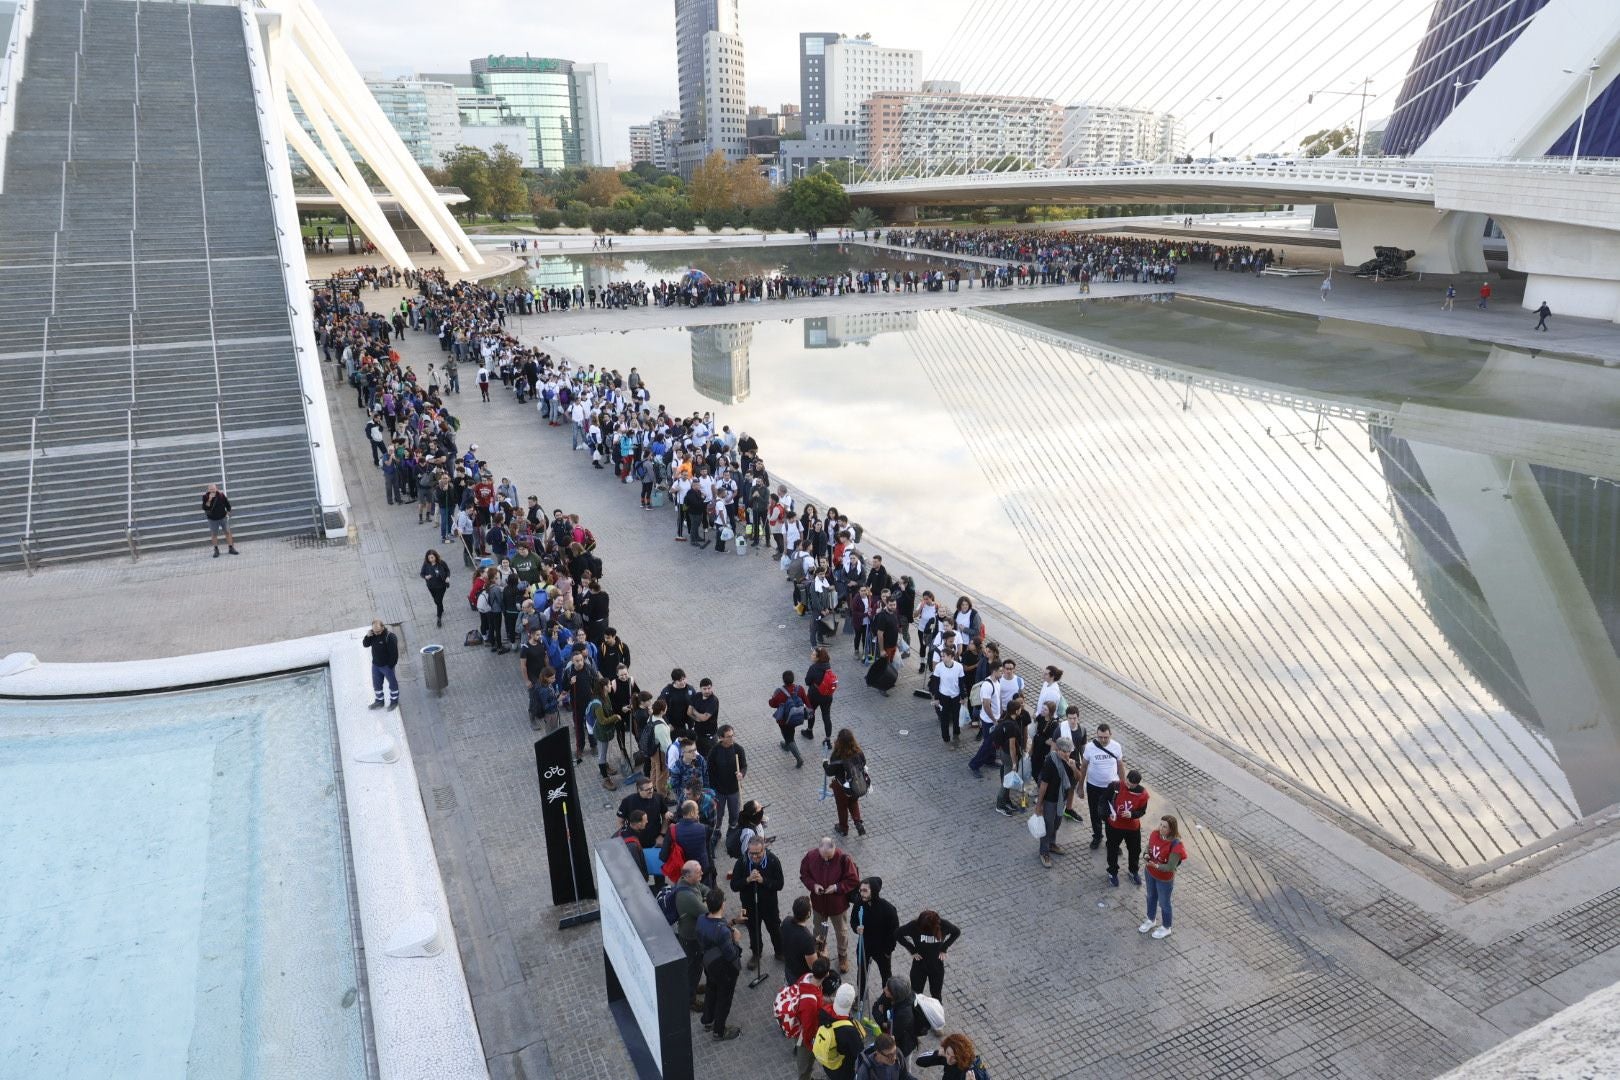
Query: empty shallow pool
x,y
177,895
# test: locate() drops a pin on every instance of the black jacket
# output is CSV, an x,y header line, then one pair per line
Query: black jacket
x,y
879,918
757,897
384,648
436,574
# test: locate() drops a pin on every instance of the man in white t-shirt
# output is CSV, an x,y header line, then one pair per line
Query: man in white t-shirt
x,y
1102,762
949,675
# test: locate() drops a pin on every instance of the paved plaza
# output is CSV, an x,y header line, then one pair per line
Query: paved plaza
x,y
1301,948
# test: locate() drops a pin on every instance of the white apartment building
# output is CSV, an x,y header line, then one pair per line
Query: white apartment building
x,y
1099,134
709,67
938,129
855,68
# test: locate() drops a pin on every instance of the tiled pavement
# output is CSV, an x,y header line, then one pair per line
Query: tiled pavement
x,y
1291,957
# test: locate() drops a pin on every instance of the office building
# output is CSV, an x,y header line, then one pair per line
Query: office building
x,y
560,101
710,74
813,75
855,68
822,144
592,100
939,128
1098,134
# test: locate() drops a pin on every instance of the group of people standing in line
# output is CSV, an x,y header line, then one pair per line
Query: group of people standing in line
x,y
688,768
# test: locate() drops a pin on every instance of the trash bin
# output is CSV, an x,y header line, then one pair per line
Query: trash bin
x,y
433,670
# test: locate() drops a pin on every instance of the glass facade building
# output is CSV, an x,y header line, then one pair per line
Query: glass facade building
x,y
539,92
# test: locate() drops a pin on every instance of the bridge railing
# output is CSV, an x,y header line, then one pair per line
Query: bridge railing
x,y
1402,177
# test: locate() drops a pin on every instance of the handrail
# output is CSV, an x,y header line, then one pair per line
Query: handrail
x,y
28,499
129,473
219,430
132,394
15,57
44,358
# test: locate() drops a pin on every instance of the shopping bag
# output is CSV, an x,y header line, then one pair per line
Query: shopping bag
x,y
1037,826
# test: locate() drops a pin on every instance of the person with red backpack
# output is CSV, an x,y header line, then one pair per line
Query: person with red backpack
x,y
798,1009
823,684
790,707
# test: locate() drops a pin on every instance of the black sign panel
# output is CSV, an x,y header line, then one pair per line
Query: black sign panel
x,y
566,850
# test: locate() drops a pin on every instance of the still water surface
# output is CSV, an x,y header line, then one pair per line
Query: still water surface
x,y
1421,630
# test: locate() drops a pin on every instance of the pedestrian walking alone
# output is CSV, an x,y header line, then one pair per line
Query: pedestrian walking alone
x,y
790,707
1451,298
1541,315
1166,853
1327,287
1484,295
846,772
437,575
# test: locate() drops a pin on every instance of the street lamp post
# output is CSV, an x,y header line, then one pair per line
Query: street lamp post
x,y
1586,102
1361,117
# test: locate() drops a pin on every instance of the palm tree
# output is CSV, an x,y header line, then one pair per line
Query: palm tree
x,y
864,219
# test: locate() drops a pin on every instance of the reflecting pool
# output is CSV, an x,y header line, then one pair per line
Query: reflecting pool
x,y
1375,560
721,263
177,897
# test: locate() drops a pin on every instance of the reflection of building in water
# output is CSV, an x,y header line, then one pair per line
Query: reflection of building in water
x,y
720,361
1424,634
836,331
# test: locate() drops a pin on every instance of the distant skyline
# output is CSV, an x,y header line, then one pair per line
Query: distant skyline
x,y
404,36
1257,78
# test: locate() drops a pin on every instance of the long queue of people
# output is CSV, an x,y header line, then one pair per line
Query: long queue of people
x,y
538,583
1098,257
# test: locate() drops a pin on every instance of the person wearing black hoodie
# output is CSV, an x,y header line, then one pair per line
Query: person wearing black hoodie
x,y
895,1011
876,924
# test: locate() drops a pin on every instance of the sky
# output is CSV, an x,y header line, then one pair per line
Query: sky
x,y
1244,79
637,42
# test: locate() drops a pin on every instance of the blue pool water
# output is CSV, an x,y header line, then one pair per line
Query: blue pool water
x,y
177,897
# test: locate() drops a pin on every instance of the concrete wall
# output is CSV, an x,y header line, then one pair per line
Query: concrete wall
x,y
1581,1041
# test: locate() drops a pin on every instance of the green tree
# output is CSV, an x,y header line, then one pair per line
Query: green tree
x,y
714,220
621,219
764,218
1326,141
818,200
467,168
576,215
865,219
508,194
683,219
653,221
547,219
599,219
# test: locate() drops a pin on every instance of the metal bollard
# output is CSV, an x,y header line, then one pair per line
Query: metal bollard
x,y
433,669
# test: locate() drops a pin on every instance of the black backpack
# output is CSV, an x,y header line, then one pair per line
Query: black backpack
x,y
734,841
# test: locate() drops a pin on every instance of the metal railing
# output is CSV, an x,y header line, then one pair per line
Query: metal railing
x,y
129,474
11,73
27,543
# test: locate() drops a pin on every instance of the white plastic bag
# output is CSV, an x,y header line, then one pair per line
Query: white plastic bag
x,y
933,1011
1037,826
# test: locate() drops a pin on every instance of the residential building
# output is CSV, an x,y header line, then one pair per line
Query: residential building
x,y
710,74
813,75
855,68
423,112
1095,133
657,142
937,129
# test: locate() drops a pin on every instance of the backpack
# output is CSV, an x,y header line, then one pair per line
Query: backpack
x,y
979,1072
829,684
647,741
734,841
977,694
856,782
640,472
786,1009
825,1047
666,902
795,711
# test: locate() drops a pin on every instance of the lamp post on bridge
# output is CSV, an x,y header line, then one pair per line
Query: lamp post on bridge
x,y
1361,116
1586,103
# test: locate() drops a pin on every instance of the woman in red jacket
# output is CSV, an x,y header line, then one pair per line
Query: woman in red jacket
x,y
1165,854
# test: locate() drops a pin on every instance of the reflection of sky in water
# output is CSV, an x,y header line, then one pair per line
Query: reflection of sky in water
x,y
720,263
1365,612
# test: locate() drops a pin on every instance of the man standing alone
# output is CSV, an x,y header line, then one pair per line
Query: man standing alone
x,y
217,509
384,648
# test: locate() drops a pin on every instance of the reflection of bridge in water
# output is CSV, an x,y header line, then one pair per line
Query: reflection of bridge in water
x,y
1418,624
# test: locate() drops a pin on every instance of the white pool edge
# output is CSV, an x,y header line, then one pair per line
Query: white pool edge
x,y
421,1014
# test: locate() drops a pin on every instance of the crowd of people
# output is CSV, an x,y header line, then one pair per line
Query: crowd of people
x,y
537,586
1084,257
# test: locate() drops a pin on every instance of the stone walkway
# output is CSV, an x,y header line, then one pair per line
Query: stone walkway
x,y
1300,950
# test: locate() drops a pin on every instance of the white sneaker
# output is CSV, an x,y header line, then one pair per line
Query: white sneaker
x,y
1162,932
1145,927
